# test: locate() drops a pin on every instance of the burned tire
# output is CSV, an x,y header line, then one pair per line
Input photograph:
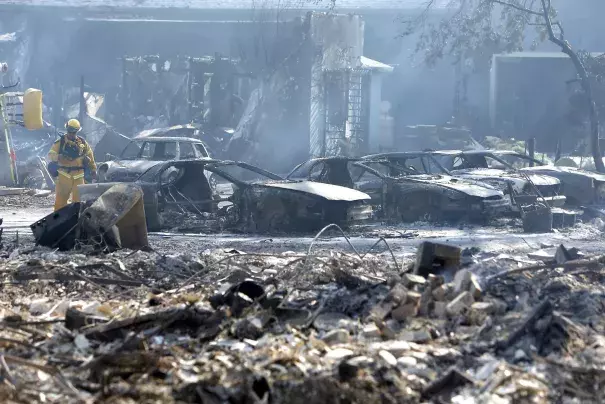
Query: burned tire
x,y
35,180
271,217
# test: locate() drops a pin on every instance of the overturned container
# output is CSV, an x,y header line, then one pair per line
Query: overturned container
x,y
119,214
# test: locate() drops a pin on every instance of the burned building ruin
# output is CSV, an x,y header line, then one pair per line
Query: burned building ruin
x,y
300,83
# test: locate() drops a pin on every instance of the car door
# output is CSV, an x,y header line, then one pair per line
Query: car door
x,y
201,150
197,151
368,181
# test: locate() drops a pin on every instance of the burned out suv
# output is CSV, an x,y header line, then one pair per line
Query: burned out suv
x,y
141,154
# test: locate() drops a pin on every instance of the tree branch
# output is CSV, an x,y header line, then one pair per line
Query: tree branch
x,y
413,22
551,33
584,82
516,7
562,35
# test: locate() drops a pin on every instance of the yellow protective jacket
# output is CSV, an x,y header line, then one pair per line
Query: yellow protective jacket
x,y
72,156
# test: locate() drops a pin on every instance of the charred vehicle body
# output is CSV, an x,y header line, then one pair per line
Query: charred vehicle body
x,y
214,140
403,193
143,153
252,199
580,187
523,187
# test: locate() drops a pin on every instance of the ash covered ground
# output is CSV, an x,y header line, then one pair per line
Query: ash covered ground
x,y
238,318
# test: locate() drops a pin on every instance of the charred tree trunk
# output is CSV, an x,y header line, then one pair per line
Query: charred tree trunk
x,y
584,82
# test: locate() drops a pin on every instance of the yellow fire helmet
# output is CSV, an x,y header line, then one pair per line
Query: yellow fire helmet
x,y
73,126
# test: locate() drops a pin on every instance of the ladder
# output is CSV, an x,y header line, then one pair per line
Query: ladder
x,y
8,114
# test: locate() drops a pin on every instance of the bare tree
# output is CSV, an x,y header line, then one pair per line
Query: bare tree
x,y
472,29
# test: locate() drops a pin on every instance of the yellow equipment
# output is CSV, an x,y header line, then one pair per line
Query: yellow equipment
x,y
32,109
16,108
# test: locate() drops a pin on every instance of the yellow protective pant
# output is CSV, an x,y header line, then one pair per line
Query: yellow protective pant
x,y
66,185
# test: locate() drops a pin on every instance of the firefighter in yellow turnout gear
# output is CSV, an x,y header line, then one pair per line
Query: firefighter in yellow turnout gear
x,y
71,154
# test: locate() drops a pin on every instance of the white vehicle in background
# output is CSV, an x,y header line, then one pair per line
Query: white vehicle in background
x,y
141,154
524,187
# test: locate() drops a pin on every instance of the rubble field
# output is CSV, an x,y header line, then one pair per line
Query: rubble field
x,y
307,326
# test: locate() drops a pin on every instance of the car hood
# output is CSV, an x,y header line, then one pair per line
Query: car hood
x,y
468,187
326,191
562,170
518,180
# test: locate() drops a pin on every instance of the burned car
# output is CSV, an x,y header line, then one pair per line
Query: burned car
x,y
144,153
523,187
580,187
403,193
252,199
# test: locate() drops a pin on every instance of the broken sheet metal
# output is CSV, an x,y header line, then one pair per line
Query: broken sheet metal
x,y
110,145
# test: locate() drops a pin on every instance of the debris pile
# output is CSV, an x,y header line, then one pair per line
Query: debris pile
x,y
26,199
226,326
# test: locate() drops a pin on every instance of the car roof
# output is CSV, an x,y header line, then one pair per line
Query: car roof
x,y
477,152
167,139
447,152
205,160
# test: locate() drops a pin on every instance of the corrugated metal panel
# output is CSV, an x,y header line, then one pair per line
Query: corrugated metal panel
x,y
317,111
226,4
